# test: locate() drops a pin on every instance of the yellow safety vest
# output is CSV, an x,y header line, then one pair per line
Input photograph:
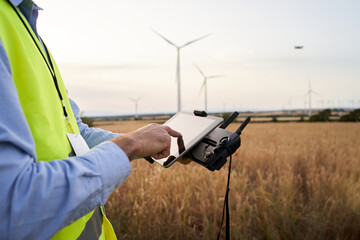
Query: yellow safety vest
x,y
44,110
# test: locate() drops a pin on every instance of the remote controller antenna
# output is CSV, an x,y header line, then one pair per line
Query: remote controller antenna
x,y
229,120
243,125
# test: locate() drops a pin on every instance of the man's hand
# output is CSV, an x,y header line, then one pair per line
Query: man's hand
x,y
152,140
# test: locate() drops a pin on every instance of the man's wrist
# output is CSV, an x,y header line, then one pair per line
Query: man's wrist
x,y
127,144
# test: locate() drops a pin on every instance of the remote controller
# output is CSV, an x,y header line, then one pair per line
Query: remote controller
x,y
213,150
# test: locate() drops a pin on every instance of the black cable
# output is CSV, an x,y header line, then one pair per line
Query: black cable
x,y
226,206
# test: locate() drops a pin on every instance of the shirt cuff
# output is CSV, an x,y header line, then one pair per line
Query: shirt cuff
x,y
115,165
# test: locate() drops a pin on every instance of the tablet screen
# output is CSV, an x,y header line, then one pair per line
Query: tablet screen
x,y
193,129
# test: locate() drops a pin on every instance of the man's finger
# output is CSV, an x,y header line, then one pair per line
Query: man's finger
x,y
162,154
172,132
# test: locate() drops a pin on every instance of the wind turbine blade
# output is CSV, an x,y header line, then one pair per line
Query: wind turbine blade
x,y
164,38
216,76
131,99
199,70
315,93
139,98
195,40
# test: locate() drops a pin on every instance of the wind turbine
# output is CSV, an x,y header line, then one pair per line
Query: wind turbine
x,y
204,85
136,105
178,48
309,92
288,105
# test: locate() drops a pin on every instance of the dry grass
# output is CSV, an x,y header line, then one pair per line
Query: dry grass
x,y
289,181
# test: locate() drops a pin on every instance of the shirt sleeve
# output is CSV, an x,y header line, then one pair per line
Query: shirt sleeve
x,y
39,198
92,136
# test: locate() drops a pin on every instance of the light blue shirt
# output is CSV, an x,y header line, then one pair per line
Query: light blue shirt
x,y
39,198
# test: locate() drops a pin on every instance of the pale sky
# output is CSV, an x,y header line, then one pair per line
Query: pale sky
x,y
107,53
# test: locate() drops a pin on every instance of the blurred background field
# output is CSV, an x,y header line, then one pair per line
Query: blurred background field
x,y
289,181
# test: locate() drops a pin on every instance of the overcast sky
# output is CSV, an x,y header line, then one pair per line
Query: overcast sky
x,y
107,53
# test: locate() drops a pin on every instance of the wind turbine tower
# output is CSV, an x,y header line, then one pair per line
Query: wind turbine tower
x,y
178,48
309,93
136,105
204,85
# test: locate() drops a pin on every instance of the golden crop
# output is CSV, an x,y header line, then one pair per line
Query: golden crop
x,y
288,181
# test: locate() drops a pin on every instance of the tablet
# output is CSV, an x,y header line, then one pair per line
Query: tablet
x,y
193,129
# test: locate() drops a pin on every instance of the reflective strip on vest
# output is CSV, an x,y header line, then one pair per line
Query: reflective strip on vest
x,y
92,229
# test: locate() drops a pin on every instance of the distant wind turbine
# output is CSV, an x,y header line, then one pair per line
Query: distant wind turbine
x,y
136,105
204,85
288,105
309,93
178,48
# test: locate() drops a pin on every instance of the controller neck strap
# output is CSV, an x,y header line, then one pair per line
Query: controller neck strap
x,y
226,206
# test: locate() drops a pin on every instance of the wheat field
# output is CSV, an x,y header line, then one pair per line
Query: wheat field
x,y
288,181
